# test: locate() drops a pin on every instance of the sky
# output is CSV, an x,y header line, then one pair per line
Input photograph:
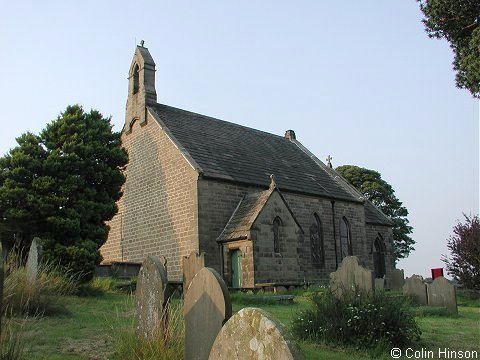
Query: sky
x,y
360,81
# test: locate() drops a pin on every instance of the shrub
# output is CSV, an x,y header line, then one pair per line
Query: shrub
x,y
365,321
129,346
44,296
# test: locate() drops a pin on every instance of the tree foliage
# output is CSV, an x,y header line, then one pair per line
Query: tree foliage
x,y
458,21
62,186
464,246
382,195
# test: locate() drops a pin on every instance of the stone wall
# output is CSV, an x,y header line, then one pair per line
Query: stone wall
x,y
158,213
284,267
218,200
372,231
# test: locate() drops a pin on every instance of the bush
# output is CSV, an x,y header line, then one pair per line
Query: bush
x,y
366,321
44,296
129,346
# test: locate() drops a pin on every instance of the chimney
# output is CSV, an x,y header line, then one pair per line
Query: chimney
x,y
290,135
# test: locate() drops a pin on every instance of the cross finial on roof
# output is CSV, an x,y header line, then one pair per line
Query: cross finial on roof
x,y
329,161
273,183
141,43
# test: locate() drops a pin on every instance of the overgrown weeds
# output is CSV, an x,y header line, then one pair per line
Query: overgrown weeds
x,y
43,295
12,345
168,345
359,319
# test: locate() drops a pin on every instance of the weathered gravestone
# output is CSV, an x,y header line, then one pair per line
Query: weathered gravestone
x,y
151,299
379,284
396,280
415,289
442,293
33,261
191,264
251,334
206,308
350,276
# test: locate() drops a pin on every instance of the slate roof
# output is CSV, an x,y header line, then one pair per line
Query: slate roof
x,y
244,216
233,152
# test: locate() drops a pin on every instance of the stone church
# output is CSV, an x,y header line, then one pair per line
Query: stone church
x,y
262,207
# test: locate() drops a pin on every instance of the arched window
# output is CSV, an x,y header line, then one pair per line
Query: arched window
x,y
316,240
378,250
277,224
136,79
345,241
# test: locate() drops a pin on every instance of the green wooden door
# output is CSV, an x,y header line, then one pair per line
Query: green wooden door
x,y
236,268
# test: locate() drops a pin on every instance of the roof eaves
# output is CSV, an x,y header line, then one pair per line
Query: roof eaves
x,y
190,160
332,173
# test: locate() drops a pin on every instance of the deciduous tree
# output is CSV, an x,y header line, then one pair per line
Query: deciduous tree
x,y
464,246
382,195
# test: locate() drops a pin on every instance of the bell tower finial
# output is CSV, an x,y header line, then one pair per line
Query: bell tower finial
x,y
141,87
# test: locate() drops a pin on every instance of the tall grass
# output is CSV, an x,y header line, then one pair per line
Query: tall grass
x,y
12,345
45,295
128,345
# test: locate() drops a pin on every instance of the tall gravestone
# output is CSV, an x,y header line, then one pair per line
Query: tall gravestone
x,y
252,334
33,261
351,276
151,299
416,289
191,265
442,293
206,308
396,280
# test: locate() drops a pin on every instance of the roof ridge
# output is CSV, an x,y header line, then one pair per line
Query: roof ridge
x,y
225,121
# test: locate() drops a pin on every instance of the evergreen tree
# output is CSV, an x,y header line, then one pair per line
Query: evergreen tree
x,y
457,21
62,186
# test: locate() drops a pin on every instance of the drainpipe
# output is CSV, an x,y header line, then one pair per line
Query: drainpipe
x,y
222,261
334,233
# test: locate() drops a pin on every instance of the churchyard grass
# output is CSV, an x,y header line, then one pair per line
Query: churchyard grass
x,y
85,332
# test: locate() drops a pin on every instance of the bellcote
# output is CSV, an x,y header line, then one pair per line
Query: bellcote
x,y
141,87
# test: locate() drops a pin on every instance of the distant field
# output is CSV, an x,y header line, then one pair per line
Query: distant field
x,y
85,332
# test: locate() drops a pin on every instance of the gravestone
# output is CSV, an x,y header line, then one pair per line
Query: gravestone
x,y
33,261
151,299
379,284
416,289
191,264
351,276
206,308
396,280
252,334
442,293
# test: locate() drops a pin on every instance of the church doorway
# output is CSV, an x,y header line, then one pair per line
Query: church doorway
x,y
379,257
236,268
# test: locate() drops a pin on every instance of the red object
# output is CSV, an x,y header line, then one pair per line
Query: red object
x,y
436,273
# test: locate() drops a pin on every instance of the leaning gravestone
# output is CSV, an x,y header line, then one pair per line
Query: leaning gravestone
x,y
251,334
442,293
33,261
191,264
416,289
151,299
206,308
351,276
396,280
